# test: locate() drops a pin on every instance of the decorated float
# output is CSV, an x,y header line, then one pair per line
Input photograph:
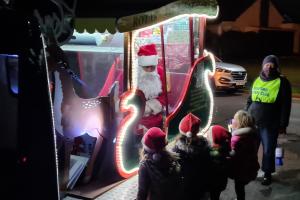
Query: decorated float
x,y
99,106
91,99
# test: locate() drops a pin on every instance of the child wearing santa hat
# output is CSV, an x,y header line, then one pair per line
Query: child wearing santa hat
x,y
244,145
159,172
193,151
219,142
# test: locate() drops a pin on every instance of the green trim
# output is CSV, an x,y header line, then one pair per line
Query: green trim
x,y
95,24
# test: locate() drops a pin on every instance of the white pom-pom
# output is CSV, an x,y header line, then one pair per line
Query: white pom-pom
x,y
189,134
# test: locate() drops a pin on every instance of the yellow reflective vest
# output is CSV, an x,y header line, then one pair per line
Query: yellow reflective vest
x,y
265,91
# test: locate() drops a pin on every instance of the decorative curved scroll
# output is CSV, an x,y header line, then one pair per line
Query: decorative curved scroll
x,y
132,105
196,96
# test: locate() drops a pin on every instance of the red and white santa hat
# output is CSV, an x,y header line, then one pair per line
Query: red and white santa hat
x,y
154,140
189,125
217,136
147,55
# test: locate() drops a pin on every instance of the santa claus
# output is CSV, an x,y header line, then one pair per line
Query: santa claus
x,y
150,82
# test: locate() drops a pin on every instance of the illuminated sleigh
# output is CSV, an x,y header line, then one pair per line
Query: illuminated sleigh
x,y
100,99
187,67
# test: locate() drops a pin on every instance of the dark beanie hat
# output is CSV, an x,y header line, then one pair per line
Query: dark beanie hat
x,y
271,59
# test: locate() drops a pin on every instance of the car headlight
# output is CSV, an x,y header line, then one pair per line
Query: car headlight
x,y
219,69
224,80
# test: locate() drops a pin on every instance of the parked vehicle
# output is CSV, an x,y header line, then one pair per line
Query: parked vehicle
x,y
229,76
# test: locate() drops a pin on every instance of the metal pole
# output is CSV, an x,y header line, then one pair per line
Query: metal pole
x,y
164,66
191,39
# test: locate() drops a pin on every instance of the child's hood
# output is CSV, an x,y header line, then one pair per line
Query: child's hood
x,y
243,131
195,148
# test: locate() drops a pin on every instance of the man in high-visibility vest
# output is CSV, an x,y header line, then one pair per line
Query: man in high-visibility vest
x,y
270,105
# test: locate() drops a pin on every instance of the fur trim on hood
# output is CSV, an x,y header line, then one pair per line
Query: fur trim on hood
x,y
243,131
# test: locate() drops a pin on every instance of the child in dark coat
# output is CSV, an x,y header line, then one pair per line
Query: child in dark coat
x,y
219,141
244,145
159,172
193,151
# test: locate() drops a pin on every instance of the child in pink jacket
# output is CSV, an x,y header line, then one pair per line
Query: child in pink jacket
x,y
244,147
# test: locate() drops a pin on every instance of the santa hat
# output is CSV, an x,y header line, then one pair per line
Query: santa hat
x,y
154,140
218,136
147,55
189,125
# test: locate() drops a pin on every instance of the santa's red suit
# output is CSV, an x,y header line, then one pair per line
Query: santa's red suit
x,y
151,83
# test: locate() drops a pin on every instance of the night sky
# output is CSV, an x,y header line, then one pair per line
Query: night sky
x,y
231,9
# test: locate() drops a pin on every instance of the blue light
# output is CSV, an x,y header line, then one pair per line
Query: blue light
x,y
10,55
15,89
11,64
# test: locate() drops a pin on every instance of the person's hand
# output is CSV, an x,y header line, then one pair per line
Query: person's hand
x,y
55,57
56,52
282,131
155,106
148,110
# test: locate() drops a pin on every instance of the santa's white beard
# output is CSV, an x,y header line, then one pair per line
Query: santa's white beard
x,y
150,84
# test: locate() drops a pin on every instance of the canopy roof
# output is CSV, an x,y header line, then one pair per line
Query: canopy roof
x,y
136,21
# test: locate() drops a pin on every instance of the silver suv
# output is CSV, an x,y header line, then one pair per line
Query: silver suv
x,y
229,76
